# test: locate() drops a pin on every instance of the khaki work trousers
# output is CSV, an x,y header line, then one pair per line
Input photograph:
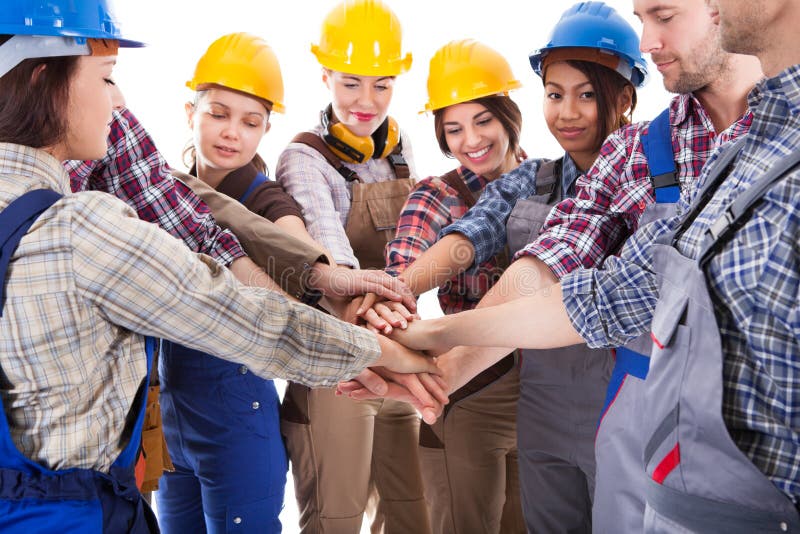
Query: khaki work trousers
x,y
349,457
471,477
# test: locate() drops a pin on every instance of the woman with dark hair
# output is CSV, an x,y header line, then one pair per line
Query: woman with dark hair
x,y
589,93
469,456
84,282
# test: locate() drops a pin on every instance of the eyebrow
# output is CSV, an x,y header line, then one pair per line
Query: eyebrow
x,y
654,9
220,104
473,117
357,79
561,87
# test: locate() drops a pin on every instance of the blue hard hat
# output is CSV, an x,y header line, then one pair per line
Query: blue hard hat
x,y
595,25
82,19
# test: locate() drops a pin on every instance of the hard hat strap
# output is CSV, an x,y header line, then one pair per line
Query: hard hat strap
x,y
22,47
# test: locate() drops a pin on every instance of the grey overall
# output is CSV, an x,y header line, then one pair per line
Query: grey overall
x,y
619,497
561,396
697,479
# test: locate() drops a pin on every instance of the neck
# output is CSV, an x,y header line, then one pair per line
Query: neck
x,y
782,49
212,177
725,99
509,164
583,160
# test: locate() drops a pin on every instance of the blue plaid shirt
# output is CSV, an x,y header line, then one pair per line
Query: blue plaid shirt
x,y
485,223
757,277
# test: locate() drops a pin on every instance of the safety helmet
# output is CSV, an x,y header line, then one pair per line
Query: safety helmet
x,y
596,31
464,70
55,28
362,37
243,62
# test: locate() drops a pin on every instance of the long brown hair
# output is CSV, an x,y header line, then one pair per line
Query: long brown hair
x,y
502,107
33,103
607,84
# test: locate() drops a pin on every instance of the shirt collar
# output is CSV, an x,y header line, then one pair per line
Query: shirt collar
x,y
569,174
475,182
32,167
785,86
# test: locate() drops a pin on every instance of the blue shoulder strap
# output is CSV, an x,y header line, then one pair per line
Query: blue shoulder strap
x,y
257,181
657,144
15,221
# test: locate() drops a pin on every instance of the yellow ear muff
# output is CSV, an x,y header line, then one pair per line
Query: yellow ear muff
x,y
351,148
392,137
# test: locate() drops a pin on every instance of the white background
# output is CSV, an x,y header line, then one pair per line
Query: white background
x,y
178,32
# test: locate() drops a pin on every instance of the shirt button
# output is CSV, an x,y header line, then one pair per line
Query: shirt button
x,y
243,370
784,526
256,405
237,520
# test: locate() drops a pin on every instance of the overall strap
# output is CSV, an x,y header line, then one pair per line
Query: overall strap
x,y
720,171
259,179
399,163
132,433
314,141
548,182
15,220
741,208
657,144
453,179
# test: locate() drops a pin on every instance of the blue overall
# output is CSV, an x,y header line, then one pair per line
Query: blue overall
x,y
222,428
34,499
619,498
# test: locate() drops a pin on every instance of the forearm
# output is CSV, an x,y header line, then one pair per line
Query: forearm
x,y
250,274
539,321
451,255
285,258
523,278
295,227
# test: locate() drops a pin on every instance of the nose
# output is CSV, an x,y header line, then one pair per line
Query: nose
x,y
230,131
651,39
117,98
569,109
366,96
472,137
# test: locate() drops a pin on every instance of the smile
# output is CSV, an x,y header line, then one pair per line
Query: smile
x,y
480,153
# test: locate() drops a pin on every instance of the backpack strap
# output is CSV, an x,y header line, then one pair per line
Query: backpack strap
x,y
314,141
453,179
657,144
741,208
15,220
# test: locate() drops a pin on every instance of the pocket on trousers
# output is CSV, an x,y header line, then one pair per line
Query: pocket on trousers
x,y
259,516
252,401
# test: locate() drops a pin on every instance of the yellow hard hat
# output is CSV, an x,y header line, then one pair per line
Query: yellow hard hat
x,y
243,62
464,70
362,37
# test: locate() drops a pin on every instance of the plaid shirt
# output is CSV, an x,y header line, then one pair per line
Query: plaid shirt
x,y
755,282
432,205
485,224
90,279
324,195
584,230
134,171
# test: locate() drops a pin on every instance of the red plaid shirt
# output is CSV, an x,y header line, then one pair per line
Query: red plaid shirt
x,y
432,205
584,230
134,171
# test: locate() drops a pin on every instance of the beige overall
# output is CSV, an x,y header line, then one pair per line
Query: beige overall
x,y
349,457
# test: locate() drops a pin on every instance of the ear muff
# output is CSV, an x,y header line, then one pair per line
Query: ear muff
x,y
351,148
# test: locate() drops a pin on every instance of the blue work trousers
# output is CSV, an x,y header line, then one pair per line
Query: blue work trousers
x,y
222,428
